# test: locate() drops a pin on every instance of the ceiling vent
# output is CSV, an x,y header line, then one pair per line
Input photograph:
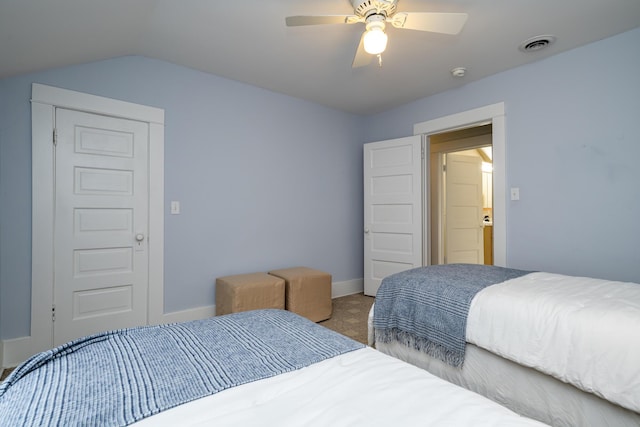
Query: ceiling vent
x,y
458,71
536,43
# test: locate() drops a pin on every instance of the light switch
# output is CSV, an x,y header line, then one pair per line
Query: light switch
x,y
175,208
515,193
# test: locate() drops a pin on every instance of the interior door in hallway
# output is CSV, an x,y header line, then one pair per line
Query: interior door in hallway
x,y
100,224
392,209
463,210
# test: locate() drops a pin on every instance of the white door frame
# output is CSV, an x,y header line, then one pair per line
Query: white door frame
x,y
436,186
495,115
43,103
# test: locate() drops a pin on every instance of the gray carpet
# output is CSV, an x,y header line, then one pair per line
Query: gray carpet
x,y
350,316
5,374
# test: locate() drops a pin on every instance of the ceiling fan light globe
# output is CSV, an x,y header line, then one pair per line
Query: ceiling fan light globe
x,y
375,41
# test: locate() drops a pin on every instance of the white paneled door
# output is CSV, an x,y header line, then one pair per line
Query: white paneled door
x,y
463,210
100,224
392,209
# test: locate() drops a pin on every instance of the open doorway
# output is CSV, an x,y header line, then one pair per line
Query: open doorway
x,y
461,196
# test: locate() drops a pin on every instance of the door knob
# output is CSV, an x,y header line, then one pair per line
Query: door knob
x,y
366,230
139,237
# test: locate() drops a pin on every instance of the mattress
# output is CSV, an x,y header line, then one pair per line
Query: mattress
x,y
360,388
521,389
262,367
558,348
583,331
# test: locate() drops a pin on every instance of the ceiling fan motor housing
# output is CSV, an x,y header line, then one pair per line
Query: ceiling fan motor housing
x,y
365,8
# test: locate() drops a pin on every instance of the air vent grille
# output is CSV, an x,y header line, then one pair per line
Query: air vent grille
x,y
537,43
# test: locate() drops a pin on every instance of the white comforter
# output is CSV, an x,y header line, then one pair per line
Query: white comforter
x,y
360,388
580,330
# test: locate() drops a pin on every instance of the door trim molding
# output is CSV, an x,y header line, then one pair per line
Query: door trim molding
x,y
495,115
43,103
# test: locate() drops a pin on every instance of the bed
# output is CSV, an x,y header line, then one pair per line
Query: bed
x,y
560,349
262,367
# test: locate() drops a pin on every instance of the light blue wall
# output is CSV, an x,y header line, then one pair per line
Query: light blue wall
x,y
573,149
265,181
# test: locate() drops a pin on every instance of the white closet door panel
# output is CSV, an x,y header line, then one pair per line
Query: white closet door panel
x,y
101,224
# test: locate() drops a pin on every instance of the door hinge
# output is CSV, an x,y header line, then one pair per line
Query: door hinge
x,y
422,152
53,313
55,137
444,168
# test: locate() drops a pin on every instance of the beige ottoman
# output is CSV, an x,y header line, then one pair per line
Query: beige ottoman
x,y
245,292
307,292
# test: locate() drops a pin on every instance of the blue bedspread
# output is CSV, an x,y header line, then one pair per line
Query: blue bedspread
x,y
427,307
119,377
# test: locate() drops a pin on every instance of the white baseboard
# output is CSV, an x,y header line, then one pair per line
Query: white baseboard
x,y
349,287
17,350
190,314
338,289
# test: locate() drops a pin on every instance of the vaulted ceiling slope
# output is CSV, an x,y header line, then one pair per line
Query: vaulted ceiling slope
x,y
248,41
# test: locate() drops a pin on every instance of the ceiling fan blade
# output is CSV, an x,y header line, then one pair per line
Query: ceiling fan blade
x,y
362,58
445,23
295,21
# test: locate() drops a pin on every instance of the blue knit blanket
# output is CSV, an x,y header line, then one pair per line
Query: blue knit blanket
x,y
119,377
426,308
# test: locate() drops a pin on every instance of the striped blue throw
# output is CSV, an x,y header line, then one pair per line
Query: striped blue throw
x,y
426,308
119,377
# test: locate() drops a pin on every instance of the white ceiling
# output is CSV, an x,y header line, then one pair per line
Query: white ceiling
x,y
247,40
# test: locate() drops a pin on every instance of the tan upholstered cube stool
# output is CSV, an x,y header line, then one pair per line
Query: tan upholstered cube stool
x,y
244,292
307,292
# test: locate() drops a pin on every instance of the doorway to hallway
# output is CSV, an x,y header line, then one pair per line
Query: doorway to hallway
x,y
461,196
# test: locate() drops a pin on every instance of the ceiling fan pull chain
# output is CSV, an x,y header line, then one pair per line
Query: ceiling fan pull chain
x,y
380,60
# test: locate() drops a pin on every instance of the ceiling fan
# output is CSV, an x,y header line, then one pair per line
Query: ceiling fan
x,y
374,14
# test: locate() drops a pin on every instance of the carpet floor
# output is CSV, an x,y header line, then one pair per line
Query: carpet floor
x,y
5,374
349,318
350,315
